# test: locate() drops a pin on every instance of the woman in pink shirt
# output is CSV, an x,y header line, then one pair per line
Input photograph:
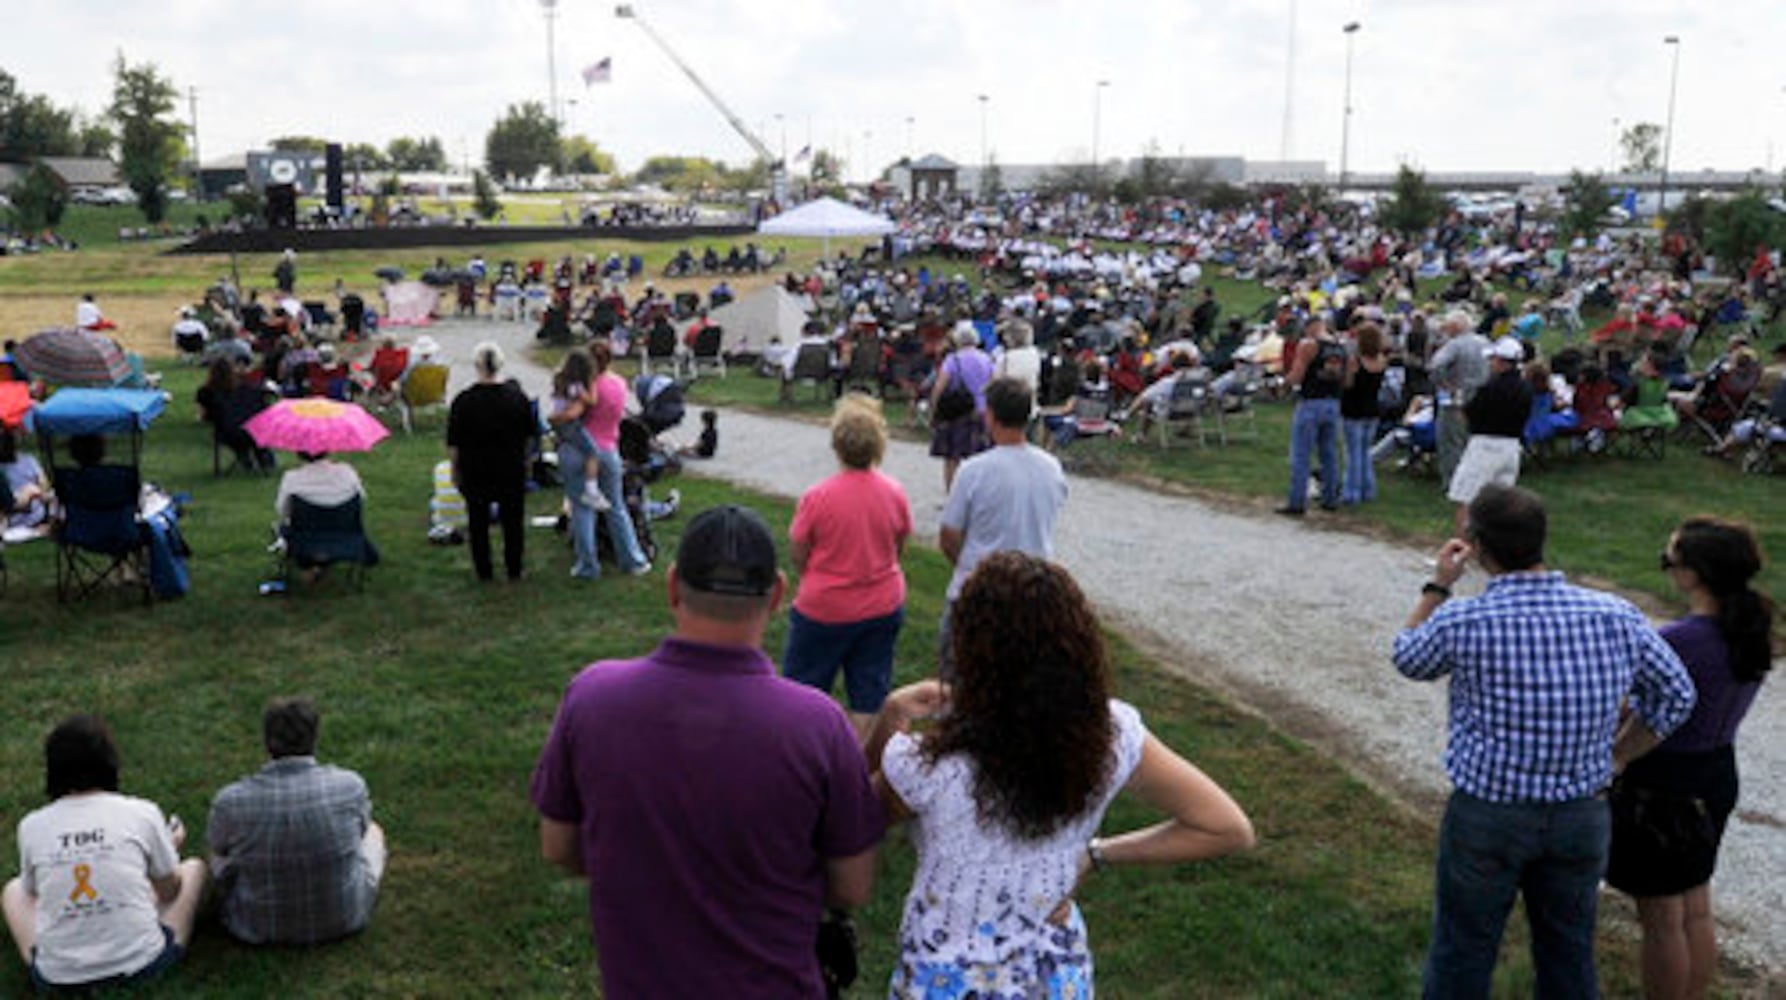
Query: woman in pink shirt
x,y
598,410
847,536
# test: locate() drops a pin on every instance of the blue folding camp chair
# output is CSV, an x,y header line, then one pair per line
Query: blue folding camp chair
x,y
323,536
99,539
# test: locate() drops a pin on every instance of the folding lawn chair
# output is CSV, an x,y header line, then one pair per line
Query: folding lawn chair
x,y
316,537
424,389
706,352
99,539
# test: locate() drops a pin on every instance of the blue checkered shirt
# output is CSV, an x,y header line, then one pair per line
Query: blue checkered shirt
x,y
1539,669
286,853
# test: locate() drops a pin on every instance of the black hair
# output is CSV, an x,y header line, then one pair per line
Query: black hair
x,y
1726,557
9,447
709,417
1508,524
289,727
1009,401
79,756
86,449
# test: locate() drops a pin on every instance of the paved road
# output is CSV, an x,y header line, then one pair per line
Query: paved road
x,y
1290,618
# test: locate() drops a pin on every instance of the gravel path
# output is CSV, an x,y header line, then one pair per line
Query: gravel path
x,y
1287,618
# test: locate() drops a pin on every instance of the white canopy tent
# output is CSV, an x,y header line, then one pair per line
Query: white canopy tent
x,y
750,322
827,218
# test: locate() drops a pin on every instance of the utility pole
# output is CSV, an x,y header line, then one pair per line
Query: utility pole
x,y
551,8
1674,76
198,170
1097,111
1350,29
1283,149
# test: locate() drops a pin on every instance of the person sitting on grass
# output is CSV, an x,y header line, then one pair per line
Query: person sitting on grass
x,y
102,898
295,853
26,483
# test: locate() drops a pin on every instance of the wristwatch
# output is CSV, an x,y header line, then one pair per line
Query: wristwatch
x,y
1430,587
1094,849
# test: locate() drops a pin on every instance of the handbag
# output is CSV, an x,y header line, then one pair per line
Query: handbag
x,y
955,402
837,952
1659,821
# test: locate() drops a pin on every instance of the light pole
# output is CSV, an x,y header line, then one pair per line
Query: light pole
x,y
1674,76
985,158
1612,162
782,122
198,170
551,9
1097,110
1350,29
911,150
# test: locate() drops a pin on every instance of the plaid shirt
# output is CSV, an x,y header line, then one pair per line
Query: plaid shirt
x,y
1539,669
286,853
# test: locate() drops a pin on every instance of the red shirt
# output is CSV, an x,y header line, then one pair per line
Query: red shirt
x,y
853,524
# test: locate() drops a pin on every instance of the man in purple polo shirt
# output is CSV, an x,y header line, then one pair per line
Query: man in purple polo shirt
x,y
716,808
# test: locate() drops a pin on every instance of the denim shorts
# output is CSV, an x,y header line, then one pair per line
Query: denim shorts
x,y
863,650
171,953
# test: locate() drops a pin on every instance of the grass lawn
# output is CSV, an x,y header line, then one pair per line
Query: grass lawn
x,y
440,691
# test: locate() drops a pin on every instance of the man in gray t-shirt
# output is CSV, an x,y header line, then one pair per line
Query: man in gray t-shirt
x,y
1459,368
1005,498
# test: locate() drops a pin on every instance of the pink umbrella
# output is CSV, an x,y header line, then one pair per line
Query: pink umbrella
x,y
315,425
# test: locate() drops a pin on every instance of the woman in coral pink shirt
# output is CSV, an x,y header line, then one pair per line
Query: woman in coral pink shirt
x,y
847,535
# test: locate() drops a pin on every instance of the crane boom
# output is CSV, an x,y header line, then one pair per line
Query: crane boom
x,y
777,169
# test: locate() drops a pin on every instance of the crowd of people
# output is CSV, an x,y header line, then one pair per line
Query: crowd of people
x,y
1583,742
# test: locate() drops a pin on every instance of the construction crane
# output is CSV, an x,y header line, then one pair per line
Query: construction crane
x,y
778,177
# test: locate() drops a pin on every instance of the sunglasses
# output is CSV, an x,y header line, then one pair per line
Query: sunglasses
x,y
1667,562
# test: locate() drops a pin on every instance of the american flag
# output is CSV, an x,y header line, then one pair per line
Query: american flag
x,y
601,72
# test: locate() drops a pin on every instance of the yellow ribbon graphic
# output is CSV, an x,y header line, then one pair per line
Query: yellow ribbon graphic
x,y
82,887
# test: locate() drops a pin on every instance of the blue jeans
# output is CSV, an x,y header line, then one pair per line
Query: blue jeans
x,y
620,524
863,650
1553,854
1361,477
1317,422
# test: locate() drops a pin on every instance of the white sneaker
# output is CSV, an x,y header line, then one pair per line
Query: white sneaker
x,y
595,498
639,570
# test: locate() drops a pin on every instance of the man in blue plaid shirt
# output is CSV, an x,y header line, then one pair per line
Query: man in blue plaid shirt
x,y
1539,672
296,856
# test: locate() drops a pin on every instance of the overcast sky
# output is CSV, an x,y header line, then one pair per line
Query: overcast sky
x,y
1442,84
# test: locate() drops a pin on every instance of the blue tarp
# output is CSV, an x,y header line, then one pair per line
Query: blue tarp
x,y
96,411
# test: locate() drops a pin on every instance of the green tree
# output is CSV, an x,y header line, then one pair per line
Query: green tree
x,y
364,156
96,139
418,154
522,141
1225,197
31,126
754,177
1737,227
827,167
581,155
680,173
483,196
38,200
992,178
149,144
1642,146
1586,199
1413,205
1155,175
299,144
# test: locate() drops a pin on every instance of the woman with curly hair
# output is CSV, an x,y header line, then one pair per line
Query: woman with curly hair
x,y
1670,805
1008,789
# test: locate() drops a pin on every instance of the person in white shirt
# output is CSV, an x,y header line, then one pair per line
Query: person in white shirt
x,y
319,481
190,334
88,317
102,898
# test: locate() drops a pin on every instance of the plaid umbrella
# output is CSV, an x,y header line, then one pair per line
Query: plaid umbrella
x,y
315,425
66,356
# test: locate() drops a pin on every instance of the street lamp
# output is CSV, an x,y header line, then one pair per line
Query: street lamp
x,y
1097,108
1674,75
1350,29
551,9
985,158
